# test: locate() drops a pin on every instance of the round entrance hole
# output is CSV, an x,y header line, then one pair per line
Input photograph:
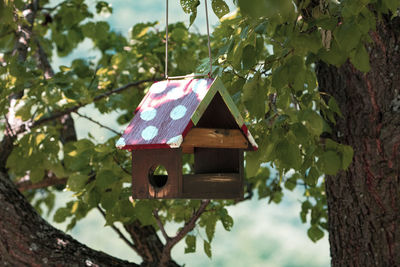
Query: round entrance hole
x,y
158,176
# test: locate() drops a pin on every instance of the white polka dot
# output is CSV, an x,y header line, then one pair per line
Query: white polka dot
x,y
178,112
199,84
175,93
148,114
149,133
158,87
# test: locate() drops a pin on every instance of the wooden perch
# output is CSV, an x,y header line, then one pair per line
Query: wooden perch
x,y
213,138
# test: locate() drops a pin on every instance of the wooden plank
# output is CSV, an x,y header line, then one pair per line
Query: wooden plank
x,y
215,138
187,149
212,186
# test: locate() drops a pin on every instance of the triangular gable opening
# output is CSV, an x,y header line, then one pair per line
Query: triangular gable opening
x,y
217,115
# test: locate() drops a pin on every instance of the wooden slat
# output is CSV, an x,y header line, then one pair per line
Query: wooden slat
x,y
187,149
214,138
212,186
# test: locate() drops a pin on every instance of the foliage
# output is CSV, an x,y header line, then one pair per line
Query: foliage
x,y
265,54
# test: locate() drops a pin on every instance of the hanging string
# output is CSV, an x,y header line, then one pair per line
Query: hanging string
x,y
166,47
166,42
208,36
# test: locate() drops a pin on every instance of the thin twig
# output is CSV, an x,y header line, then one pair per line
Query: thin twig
x,y
120,234
161,226
96,122
120,165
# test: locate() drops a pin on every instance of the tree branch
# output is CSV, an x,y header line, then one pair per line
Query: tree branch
x,y
166,254
96,122
120,234
51,179
161,226
26,239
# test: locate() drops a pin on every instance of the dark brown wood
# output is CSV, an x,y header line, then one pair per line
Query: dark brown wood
x,y
364,201
217,115
142,162
216,160
212,186
187,149
215,138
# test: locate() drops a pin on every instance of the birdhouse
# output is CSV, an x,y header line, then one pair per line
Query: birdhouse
x,y
194,116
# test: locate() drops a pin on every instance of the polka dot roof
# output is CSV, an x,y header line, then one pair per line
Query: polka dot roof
x,y
164,115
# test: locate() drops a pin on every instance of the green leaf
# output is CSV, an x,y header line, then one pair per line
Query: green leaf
x,y
36,175
108,200
103,6
248,57
291,183
71,225
277,196
311,177
254,97
253,161
301,133
335,56
210,227
61,214
227,221
7,42
288,154
315,233
190,244
105,178
392,5
333,105
347,156
207,249
305,207
348,36
313,121
329,162
76,182
280,77
190,7
144,210
220,8
360,58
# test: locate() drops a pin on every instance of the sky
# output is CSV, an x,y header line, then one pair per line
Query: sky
x,y
263,234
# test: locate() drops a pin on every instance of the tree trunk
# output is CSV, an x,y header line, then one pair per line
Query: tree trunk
x,y
28,240
364,201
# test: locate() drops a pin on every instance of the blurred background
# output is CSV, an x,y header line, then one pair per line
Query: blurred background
x,y
263,234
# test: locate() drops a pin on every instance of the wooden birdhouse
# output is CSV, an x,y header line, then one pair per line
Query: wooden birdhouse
x,y
194,116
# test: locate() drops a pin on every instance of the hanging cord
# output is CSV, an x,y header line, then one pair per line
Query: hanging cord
x,y
166,47
209,43
166,42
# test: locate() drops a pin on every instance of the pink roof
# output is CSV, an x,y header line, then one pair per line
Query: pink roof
x,y
170,109
164,116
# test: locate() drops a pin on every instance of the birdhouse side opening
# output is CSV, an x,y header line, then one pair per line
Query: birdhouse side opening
x,y
158,176
156,173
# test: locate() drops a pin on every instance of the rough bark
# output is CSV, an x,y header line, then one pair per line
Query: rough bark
x,y
28,240
364,201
